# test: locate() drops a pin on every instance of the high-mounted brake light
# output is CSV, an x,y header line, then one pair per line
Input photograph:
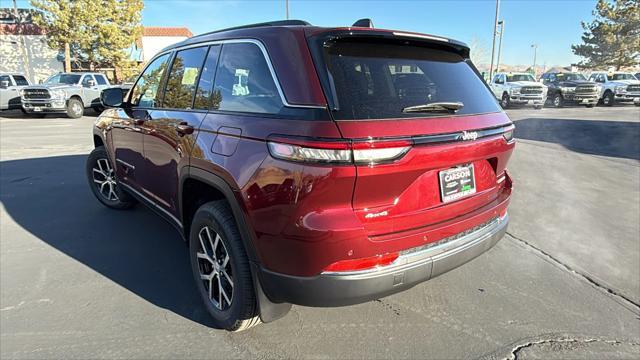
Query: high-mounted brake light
x,y
363,263
368,152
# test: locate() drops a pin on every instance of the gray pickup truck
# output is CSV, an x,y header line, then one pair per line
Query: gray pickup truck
x,y
10,86
68,93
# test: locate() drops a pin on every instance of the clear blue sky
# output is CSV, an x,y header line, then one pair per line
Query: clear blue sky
x,y
554,25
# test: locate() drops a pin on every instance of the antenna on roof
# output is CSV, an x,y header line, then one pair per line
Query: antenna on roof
x,y
363,23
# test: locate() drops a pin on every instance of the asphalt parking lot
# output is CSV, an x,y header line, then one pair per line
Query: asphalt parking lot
x,y
78,280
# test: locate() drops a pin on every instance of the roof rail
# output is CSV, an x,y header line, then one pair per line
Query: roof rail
x,y
269,23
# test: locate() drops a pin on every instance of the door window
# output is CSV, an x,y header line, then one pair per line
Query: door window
x,y
145,92
205,85
181,85
497,79
243,81
20,80
6,78
86,79
101,80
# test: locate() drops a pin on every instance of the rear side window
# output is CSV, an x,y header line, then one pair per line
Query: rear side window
x,y
101,80
183,78
377,81
20,80
145,92
243,81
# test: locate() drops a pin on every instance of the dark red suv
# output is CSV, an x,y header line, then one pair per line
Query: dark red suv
x,y
307,165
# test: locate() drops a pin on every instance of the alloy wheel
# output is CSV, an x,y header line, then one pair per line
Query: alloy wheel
x,y
76,108
105,179
214,265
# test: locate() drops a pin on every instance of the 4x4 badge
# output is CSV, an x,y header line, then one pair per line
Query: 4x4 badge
x,y
469,135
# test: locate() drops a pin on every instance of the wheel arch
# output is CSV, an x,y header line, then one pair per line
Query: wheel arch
x,y
268,310
195,181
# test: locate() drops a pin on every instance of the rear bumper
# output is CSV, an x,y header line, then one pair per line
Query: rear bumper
x,y
411,268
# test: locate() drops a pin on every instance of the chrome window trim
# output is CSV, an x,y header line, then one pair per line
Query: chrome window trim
x,y
243,41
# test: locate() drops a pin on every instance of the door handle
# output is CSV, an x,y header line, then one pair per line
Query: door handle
x,y
138,122
184,129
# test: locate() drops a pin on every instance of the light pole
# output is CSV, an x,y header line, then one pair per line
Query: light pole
x,y
286,4
535,52
501,23
493,47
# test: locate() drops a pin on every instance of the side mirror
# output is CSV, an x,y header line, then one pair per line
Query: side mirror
x,y
91,83
111,97
4,84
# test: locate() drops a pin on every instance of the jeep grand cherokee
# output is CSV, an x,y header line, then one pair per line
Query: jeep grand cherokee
x,y
308,165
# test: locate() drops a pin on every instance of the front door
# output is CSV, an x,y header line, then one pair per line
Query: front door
x,y
171,133
128,126
91,94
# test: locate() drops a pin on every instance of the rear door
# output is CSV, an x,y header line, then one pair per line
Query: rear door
x,y
170,133
91,94
128,124
442,163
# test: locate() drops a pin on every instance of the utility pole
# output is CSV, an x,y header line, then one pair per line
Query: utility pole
x,y
501,23
286,4
535,52
493,47
23,47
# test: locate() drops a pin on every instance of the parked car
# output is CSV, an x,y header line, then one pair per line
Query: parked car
x,y
518,88
10,85
308,165
571,87
617,87
68,93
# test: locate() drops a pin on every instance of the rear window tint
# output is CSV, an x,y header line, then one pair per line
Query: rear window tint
x,y
377,81
243,81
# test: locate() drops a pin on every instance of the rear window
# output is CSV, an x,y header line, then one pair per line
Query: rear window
x,y
377,81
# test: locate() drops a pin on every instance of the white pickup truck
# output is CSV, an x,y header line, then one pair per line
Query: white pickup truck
x,y
518,88
617,87
10,86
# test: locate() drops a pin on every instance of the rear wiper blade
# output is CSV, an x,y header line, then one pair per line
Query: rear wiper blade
x,y
435,107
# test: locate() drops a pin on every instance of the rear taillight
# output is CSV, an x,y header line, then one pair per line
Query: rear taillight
x,y
362,263
318,152
369,152
375,152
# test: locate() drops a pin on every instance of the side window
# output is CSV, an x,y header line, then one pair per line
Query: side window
x,y
552,78
498,79
181,85
205,85
20,80
86,79
101,80
145,91
243,81
6,78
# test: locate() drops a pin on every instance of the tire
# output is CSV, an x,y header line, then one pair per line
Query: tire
x,y
608,99
75,108
103,183
505,102
214,221
557,101
537,107
590,105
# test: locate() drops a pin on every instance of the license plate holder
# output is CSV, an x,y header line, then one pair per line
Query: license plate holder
x,y
530,102
37,109
457,182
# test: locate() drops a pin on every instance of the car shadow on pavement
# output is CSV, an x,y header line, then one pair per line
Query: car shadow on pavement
x,y
619,139
17,114
50,198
